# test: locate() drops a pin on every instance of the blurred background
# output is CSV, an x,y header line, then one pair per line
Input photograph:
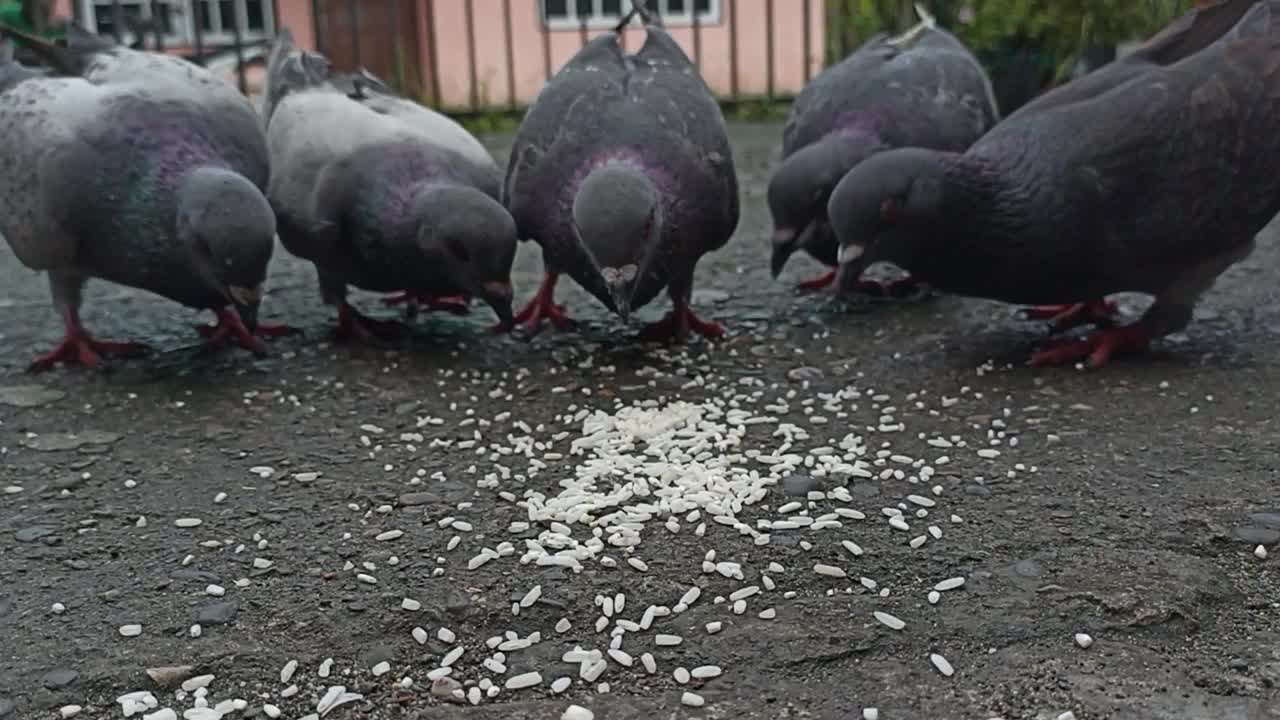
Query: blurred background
x,y
487,59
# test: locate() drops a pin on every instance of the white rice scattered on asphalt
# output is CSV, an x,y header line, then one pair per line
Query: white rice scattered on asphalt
x,y
614,477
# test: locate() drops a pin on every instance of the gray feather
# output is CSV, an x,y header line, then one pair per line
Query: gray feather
x,y
651,110
94,167
1155,185
353,166
923,89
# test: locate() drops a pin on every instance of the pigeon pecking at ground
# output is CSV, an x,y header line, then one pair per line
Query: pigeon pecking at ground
x,y
381,193
1156,183
137,168
920,89
622,173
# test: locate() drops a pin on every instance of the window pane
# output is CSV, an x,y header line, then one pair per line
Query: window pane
x,y
556,9
104,17
703,6
675,7
227,11
583,8
164,18
611,8
256,15
205,15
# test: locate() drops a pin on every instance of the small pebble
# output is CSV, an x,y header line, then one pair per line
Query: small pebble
x,y
1083,640
130,630
576,712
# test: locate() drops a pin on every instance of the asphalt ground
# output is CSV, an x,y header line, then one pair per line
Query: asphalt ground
x,y
1126,504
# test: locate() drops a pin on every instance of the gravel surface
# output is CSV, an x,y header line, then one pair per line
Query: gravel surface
x,y
879,507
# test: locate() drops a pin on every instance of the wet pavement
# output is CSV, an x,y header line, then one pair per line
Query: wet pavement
x,y
305,507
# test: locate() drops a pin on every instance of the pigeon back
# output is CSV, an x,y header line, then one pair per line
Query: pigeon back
x,y
1192,32
653,108
931,93
1165,172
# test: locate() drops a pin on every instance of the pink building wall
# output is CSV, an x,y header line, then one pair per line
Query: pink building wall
x,y
494,84
449,48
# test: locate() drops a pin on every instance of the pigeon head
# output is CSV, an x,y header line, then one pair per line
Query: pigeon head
x,y
227,226
887,208
475,238
799,190
617,218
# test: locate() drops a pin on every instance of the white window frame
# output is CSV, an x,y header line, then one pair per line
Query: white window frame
x,y
599,20
224,36
183,17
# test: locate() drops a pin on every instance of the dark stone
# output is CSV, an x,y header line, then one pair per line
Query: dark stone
x,y
31,534
800,485
1254,535
803,373
377,654
58,679
457,603
1029,568
197,575
217,614
6,607
417,498
70,482
1238,664
6,707
1268,519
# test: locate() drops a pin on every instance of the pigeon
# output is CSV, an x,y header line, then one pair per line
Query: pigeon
x,y
920,89
380,192
1156,183
622,172
137,168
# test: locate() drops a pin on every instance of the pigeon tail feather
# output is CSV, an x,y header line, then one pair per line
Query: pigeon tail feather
x,y
648,16
926,18
71,59
290,69
927,23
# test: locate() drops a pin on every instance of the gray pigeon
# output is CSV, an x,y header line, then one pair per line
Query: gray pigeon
x,y
921,89
1154,184
622,172
141,169
381,193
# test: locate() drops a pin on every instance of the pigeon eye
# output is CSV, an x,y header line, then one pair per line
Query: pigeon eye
x,y
889,210
458,250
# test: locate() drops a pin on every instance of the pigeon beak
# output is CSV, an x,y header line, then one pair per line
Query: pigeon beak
x,y
246,302
620,293
784,244
851,265
497,294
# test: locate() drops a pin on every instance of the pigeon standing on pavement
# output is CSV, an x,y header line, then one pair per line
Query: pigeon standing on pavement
x,y
921,89
622,173
1155,181
137,168
381,193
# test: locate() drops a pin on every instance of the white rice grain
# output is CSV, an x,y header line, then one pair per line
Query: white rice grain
x,y
889,621
943,665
